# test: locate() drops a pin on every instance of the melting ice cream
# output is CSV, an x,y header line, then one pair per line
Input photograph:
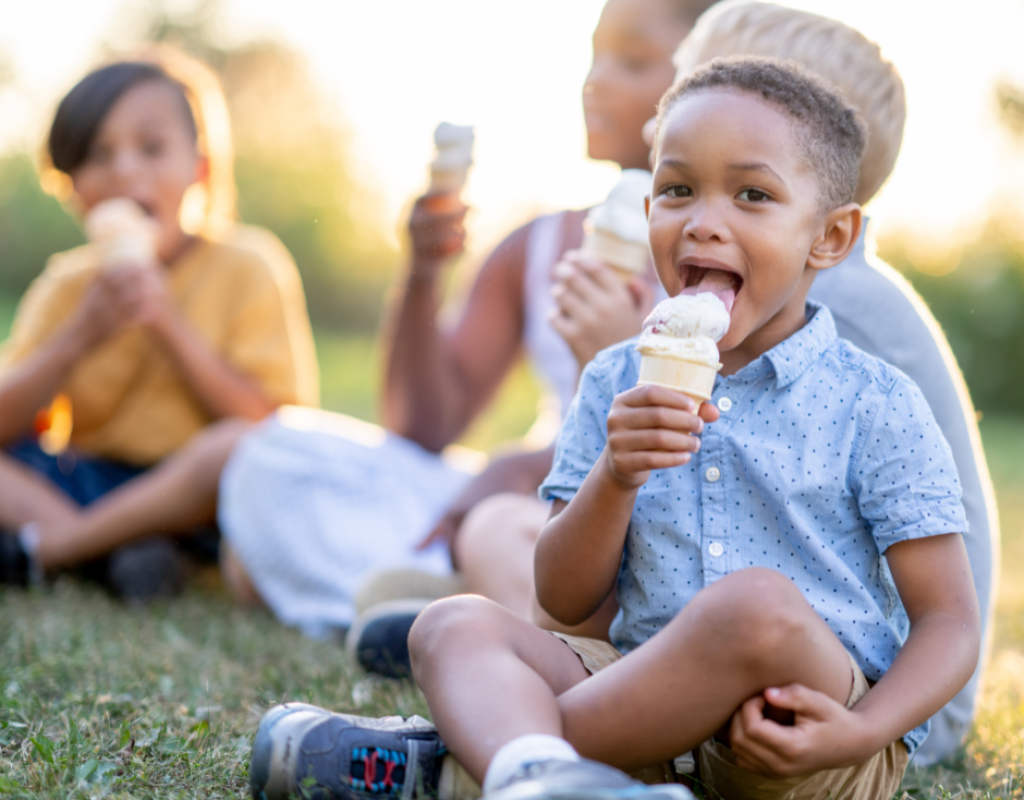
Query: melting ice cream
x,y
679,343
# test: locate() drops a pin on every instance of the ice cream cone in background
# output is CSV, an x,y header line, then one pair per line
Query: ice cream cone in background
x,y
450,167
679,344
615,232
123,232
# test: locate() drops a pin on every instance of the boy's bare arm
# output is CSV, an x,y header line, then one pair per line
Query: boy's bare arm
x,y
934,581
222,390
32,383
933,577
580,549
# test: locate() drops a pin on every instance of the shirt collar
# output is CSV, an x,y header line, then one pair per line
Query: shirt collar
x,y
792,357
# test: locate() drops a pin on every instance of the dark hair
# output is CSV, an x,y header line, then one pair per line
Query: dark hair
x,y
833,134
84,108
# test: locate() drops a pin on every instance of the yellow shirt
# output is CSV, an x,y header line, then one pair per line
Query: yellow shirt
x,y
128,401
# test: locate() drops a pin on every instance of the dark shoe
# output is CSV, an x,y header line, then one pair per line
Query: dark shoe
x,y
304,751
379,638
146,570
582,780
14,564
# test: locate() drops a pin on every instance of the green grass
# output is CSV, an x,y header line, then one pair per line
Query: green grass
x,y
102,701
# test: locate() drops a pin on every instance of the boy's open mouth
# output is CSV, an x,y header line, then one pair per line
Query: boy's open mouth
x,y
722,283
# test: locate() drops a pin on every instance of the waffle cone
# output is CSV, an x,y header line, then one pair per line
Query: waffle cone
x,y
692,378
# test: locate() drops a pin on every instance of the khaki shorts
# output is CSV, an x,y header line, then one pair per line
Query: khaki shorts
x,y
878,778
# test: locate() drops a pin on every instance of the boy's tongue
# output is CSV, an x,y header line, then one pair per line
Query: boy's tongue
x,y
720,283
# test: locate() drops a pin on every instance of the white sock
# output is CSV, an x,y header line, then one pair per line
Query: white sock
x,y
529,749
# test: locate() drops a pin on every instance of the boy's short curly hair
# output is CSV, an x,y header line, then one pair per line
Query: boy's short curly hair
x,y
833,135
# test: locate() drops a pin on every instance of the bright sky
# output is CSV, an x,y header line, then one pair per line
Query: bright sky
x,y
394,69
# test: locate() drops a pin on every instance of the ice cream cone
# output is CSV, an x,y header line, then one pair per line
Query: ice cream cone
x,y
627,259
122,232
692,378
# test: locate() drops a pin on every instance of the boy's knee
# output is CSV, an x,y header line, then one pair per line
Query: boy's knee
x,y
443,622
753,612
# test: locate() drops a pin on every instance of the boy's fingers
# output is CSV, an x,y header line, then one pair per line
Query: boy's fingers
x,y
660,418
708,412
651,395
655,441
800,699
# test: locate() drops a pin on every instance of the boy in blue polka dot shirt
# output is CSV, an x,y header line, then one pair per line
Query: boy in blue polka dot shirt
x,y
796,599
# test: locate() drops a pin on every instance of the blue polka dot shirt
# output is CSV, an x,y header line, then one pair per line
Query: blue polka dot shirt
x,y
823,457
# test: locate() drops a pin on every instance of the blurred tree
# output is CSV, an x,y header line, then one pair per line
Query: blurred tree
x,y
291,166
292,172
980,305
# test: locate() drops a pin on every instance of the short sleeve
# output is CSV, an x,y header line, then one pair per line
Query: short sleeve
x,y
906,480
583,435
269,338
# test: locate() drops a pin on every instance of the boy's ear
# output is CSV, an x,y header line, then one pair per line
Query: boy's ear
x,y
840,234
647,206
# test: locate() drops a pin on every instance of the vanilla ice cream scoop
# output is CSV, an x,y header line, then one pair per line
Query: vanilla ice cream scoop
x,y
122,231
450,167
679,343
616,231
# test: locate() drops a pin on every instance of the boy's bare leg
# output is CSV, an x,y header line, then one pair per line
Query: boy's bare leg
x,y
175,496
748,631
494,550
28,497
490,677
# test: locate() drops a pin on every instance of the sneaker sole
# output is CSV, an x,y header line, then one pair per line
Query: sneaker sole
x,y
274,751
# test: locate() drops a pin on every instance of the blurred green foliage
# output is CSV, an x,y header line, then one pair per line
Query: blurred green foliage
x,y
33,225
980,306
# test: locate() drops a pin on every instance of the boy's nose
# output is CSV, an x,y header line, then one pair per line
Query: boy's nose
x,y
704,223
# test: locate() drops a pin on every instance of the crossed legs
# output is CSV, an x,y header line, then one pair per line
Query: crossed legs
x,y
490,677
178,494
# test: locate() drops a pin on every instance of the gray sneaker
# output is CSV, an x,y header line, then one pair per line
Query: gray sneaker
x,y
582,780
304,751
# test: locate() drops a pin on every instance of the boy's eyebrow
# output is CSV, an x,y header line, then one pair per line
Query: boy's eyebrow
x,y
757,166
749,166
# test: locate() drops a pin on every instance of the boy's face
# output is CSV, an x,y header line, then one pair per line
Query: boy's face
x,y
735,210
144,150
631,69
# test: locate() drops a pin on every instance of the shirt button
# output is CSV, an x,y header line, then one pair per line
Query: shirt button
x,y
716,549
712,474
724,403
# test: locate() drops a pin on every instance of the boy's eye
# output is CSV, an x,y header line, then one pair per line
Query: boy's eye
x,y
677,190
152,149
753,195
97,155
